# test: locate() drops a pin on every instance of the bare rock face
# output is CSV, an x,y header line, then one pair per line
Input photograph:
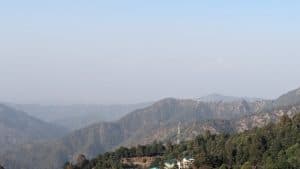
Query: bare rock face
x,y
262,119
81,160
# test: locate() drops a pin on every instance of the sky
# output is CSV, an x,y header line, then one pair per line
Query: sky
x,y
107,52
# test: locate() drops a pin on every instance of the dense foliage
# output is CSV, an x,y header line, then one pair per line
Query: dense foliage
x,y
275,146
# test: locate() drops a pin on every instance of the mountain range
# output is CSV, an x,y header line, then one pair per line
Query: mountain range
x,y
77,116
159,121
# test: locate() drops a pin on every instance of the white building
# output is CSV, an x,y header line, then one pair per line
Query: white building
x,y
186,163
169,165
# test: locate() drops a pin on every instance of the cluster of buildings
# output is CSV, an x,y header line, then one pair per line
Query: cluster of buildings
x,y
185,163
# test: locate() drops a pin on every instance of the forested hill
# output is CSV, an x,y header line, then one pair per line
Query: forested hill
x,y
275,146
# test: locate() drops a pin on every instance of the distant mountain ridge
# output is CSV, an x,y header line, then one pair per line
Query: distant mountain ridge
x,y
77,116
17,128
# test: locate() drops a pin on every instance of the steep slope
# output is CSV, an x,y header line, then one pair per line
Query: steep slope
x,y
17,127
160,121
290,98
190,129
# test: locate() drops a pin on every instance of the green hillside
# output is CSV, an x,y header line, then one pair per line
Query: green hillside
x,y
275,146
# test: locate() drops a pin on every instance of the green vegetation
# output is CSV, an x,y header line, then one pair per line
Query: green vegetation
x,y
275,146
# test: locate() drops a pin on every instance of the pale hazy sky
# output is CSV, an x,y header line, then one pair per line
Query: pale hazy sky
x,y
70,51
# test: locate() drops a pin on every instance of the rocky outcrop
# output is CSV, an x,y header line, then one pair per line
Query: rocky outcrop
x,y
81,161
262,119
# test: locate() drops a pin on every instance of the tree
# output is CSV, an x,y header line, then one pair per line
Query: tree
x,y
285,120
293,155
246,165
223,166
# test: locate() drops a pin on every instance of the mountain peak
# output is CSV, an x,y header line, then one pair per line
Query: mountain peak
x,y
215,97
